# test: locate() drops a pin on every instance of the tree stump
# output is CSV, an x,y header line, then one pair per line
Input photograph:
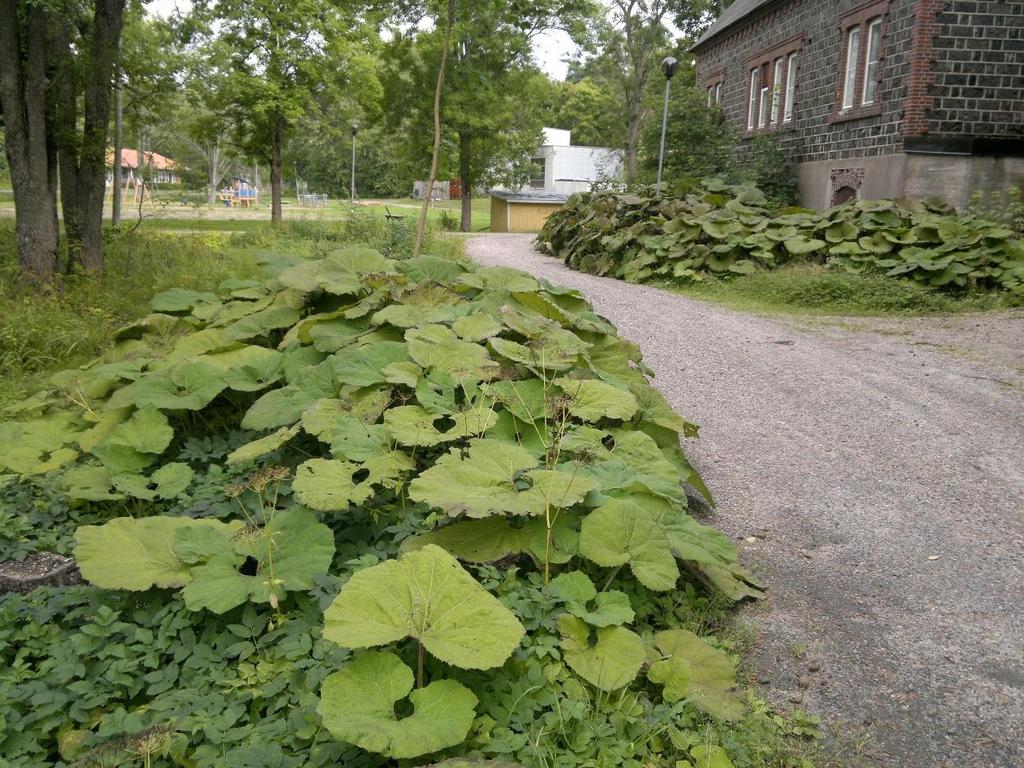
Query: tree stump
x,y
40,569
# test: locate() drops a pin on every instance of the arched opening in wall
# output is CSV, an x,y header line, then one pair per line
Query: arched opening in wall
x,y
845,185
843,195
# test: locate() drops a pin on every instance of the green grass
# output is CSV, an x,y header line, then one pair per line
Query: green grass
x,y
43,331
813,290
202,225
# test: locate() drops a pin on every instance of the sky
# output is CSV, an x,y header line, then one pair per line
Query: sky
x,y
549,48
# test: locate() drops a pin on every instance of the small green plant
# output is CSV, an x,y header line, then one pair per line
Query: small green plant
x,y
1005,207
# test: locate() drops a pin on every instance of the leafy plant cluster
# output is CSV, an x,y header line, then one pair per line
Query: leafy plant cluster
x,y
713,228
363,510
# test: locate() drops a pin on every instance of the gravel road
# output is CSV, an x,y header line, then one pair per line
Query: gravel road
x,y
873,474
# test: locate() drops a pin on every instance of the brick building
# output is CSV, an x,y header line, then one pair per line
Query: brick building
x,y
876,98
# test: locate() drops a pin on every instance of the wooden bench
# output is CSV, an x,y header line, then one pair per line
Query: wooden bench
x,y
391,216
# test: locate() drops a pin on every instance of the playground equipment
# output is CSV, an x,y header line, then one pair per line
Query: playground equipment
x,y
241,194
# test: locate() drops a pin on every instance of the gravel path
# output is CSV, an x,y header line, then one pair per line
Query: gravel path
x,y
876,482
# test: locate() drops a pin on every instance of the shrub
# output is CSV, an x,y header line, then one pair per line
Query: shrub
x,y
464,469
713,228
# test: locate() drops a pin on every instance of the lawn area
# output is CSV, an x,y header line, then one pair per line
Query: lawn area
x,y
44,332
170,214
810,289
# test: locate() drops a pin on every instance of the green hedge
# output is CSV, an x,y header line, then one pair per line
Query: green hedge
x,y
714,228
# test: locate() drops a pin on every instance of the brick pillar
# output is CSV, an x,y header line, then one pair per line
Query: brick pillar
x,y
921,76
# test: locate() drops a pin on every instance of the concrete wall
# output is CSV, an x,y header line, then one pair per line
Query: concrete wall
x,y
953,178
574,169
874,177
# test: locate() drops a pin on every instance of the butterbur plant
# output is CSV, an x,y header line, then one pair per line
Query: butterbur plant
x,y
411,430
427,596
715,229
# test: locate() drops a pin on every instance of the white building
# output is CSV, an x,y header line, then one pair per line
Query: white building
x,y
561,168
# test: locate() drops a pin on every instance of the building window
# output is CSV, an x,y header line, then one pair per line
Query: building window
x,y
755,78
863,38
537,173
712,84
852,57
871,60
718,93
772,96
787,108
776,90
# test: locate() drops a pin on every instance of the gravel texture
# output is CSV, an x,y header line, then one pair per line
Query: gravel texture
x,y
872,473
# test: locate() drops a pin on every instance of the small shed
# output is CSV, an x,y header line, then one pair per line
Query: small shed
x,y
522,211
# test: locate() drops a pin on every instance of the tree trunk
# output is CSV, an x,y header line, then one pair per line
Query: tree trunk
x,y
635,121
29,145
82,158
117,182
214,171
422,224
276,165
465,147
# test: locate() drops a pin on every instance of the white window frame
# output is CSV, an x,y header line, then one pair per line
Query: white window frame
x,y
787,107
718,93
850,71
874,40
776,90
755,81
762,111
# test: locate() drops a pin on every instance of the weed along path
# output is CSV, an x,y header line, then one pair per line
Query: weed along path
x,y
877,486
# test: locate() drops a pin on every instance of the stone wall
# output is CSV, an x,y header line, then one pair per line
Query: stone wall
x,y
978,70
817,133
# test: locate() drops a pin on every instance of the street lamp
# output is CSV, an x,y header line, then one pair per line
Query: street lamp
x,y
355,130
668,67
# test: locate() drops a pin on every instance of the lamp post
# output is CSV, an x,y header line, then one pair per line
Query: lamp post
x,y
352,190
668,67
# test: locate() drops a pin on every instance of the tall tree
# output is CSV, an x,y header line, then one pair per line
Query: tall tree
x,y
635,44
84,61
488,131
26,41
282,57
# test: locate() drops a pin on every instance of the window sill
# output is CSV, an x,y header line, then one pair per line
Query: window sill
x,y
856,113
768,129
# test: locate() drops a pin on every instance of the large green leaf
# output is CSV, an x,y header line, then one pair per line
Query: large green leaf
x,y
704,675
358,703
166,482
288,553
524,399
262,446
487,482
622,532
428,596
329,485
490,539
190,386
593,400
606,657
436,347
364,367
133,444
599,609
138,553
